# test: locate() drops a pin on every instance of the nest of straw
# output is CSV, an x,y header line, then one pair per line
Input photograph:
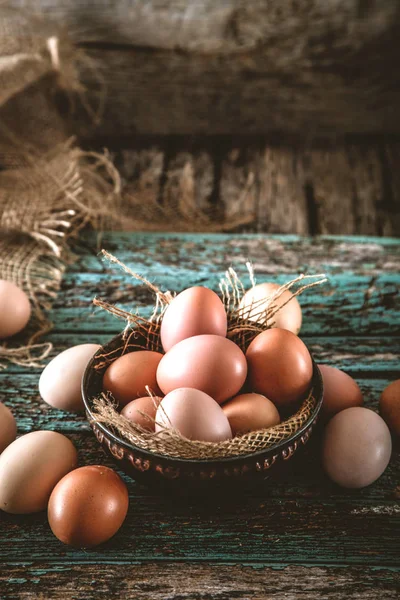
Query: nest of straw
x,y
141,333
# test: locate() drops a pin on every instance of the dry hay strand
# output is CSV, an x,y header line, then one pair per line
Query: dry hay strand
x,y
142,333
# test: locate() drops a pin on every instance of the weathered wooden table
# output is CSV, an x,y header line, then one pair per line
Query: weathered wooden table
x,y
298,536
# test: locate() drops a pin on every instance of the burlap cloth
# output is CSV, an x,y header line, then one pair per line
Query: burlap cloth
x,y
49,187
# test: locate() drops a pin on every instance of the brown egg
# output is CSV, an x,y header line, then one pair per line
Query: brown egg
x,y
8,427
194,414
280,366
88,506
340,391
389,406
60,382
356,447
195,311
30,467
15,309
128,376
250,412
256,300
137,410
209,363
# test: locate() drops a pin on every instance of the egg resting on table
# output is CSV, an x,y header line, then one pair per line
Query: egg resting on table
x,y
8,427
389,406
340,391
30,467
15,309
356,447
88,506
61,381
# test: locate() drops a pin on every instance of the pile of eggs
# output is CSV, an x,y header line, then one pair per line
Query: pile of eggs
x,y
204,386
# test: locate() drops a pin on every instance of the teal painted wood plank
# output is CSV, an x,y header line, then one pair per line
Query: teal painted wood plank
x,y
348,304
360,298
270,254
301,517
258,528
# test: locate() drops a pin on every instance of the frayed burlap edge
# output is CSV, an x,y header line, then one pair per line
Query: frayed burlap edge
x,y
241,330
35,252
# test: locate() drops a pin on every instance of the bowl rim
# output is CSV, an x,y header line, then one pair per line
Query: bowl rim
x,y
316,377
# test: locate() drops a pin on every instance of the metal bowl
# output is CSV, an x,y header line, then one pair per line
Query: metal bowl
x,y
149,467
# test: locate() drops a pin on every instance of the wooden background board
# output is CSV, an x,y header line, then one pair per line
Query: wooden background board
x,y
283,116
308,68
345,189
298,536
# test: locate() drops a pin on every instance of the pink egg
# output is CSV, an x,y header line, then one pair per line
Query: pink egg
x,y
210,363
194,414
195,311
356,447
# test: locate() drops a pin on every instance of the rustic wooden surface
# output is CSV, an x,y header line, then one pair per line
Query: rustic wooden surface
x,y
308,68
346,189
299,536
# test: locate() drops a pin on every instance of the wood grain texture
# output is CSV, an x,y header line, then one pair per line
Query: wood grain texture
x,y
203,582
226,27
299,518
171,93
238,189
346,188
295,536
308,68
282,200
360,298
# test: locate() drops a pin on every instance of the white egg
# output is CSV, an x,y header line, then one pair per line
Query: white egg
x,y
60,382
257,299
30,467
15,309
